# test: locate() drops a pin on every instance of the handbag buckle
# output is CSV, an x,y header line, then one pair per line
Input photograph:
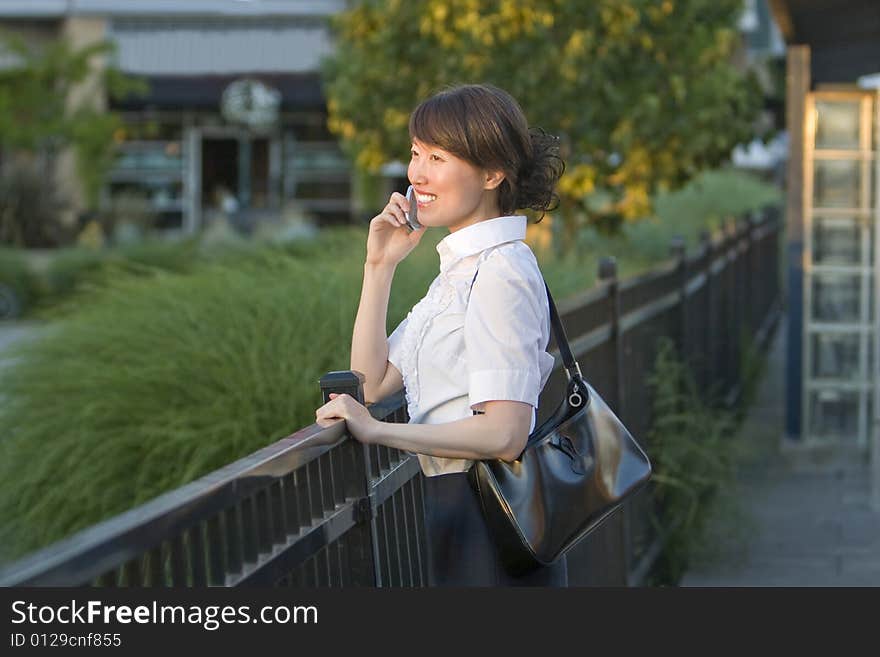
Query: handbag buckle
x,y
575,399
577,368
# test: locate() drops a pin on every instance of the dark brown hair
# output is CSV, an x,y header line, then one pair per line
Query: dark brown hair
x,y
484,125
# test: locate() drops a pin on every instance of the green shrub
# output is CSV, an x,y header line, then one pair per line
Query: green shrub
x,y
174,256
73,274
163,378
694,458
69,270
19,286
701,205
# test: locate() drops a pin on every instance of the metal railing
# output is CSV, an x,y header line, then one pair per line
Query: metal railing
x,y
319,509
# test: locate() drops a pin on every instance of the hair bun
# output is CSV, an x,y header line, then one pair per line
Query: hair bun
x,y
539,174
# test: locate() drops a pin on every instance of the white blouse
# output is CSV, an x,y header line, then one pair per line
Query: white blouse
x,y
455,354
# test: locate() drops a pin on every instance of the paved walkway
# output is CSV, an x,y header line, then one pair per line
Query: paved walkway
x,y
804,517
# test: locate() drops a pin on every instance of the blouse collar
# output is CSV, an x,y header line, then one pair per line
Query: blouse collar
x,y
480,236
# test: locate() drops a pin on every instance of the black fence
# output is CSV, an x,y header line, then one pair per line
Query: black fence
x,y
318,509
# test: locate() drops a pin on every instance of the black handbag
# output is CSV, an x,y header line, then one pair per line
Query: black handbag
x,y
577,468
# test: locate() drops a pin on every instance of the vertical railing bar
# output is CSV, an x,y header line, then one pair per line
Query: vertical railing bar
x,y
263,521
408,527
375,467
103,580
332,565
413,493
197,556
288,486
302,498
310,573
276,504
393,543
402,538
328,497
249,530
316,506
154,567
419,503
179,560
383,561
337,494
233,537
216,551
127,576
391,516
342,560
384,460
296,577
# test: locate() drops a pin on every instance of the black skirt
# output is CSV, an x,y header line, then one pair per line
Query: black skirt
x,y
460,549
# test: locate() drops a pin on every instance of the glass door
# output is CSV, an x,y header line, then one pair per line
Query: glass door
x,y
840,256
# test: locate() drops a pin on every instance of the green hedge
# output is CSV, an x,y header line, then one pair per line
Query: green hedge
x,y
19,285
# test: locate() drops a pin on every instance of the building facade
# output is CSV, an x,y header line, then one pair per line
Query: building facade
x,y
233,122
833,224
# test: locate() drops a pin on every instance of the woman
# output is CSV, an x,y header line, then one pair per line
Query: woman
x,y
471,354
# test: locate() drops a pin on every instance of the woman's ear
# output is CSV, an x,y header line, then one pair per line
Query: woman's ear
x,y
493,179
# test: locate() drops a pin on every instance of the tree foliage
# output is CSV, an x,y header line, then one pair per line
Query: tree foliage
x,y
642,93
36,115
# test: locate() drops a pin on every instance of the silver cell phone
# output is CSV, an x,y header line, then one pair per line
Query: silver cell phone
x,y
412,215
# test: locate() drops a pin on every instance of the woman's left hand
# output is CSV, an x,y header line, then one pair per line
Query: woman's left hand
x,y
361,425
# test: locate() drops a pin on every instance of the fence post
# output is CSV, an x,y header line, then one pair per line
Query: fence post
x,y
608,275
740,228
678,251
343,382
706,242
751,295
731,331
358,483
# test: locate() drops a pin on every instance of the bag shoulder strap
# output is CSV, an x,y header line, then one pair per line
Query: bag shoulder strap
x,y
571,365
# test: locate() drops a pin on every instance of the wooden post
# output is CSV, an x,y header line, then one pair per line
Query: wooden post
x,y
797,86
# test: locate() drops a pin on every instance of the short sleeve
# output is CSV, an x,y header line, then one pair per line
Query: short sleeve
x,y
503,332
395,351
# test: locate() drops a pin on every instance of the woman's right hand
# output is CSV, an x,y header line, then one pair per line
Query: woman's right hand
x,y
390,239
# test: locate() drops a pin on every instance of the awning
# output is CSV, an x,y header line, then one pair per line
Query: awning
x,y
299,91
843,35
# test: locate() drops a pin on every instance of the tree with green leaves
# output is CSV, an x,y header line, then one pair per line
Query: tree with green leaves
x,y
38,120
642,93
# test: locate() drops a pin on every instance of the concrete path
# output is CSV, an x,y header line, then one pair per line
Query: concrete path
x,y
804,518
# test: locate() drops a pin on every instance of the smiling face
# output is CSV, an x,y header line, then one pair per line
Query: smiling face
x,y
451,192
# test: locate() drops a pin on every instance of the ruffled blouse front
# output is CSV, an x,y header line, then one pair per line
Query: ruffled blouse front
x,y
468,341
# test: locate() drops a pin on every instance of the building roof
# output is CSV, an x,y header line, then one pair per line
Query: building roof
x,y
214,46
60,8
843,35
